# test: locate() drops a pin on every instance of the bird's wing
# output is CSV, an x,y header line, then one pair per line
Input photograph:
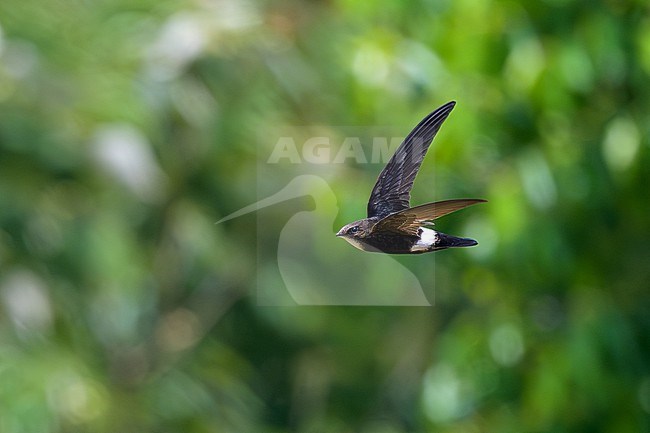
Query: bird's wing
x,y
407,222
392,192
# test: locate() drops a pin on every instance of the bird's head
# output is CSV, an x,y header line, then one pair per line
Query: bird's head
x,y
357,229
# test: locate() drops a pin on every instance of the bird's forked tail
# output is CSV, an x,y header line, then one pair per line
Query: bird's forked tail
x,y
448,241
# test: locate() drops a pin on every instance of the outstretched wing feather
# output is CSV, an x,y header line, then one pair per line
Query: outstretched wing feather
x,y
392,191
409,221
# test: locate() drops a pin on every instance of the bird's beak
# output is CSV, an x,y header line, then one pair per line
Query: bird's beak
x,y
340,233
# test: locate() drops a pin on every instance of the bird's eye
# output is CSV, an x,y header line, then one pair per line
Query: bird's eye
x,y
353,230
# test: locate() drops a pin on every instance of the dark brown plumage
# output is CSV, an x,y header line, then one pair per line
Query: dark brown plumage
x,y
392,226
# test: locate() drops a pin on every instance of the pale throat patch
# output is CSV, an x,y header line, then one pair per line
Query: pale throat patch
x,y
428,238
355,243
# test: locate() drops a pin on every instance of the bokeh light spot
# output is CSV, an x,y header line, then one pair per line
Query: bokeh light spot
x,y
370,65
621,143
506,345
442,393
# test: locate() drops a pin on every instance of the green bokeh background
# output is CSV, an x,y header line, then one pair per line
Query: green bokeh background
x,y
127,128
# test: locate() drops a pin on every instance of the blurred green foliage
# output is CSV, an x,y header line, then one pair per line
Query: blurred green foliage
x,y
128,128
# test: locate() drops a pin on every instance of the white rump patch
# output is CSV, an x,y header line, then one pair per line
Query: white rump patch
x,y
428,238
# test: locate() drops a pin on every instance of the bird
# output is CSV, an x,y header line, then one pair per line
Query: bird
x,y
392,225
